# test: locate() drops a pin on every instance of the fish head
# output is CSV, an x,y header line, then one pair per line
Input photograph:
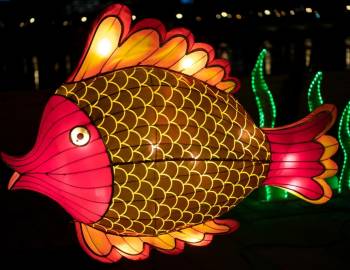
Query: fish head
x,y
69,162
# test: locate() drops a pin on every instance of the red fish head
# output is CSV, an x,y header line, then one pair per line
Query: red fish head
x,y
69,162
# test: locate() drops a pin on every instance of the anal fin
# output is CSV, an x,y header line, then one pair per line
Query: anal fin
x,y
110,248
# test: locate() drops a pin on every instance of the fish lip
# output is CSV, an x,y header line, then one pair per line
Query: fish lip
x,y
13,180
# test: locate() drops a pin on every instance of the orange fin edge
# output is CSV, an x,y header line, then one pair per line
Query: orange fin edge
x,y
109,248
148,43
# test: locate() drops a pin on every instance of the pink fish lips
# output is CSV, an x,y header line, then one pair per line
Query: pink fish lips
x,y
13,178
68,157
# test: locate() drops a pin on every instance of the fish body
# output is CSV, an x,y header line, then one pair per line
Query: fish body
x,y
182,151
146,146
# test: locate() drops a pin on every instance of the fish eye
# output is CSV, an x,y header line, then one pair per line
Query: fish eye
x,y
79,136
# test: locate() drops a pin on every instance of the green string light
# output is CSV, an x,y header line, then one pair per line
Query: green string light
x,y
314,96
263,96
314,99
344,141
265,103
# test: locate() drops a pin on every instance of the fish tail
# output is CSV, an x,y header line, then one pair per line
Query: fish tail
x,y
300,156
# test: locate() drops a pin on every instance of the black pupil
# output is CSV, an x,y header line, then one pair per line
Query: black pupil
x,y
80,136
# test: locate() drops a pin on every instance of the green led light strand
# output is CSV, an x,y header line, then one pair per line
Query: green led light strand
x,y
264,101
314,97
344,141
263,96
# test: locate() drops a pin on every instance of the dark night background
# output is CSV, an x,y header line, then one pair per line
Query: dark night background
x,y
41,42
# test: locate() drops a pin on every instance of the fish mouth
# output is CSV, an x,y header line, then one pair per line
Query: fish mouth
x,y
79,178
14,178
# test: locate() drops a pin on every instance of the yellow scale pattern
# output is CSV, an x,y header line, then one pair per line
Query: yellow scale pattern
x,y
182,152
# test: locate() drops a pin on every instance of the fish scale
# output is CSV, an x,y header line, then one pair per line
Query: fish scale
x,y
182,152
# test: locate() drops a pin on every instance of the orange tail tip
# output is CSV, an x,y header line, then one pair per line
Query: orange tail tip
x,y
300,156
114,44
110,248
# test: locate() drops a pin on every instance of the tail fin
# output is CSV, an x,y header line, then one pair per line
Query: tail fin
x,y
300,156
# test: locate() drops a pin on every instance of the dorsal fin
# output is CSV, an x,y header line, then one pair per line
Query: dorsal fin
x,y
114,44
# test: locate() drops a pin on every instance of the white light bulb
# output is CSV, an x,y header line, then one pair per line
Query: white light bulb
x,y
179,16
308,10
224,14
267,12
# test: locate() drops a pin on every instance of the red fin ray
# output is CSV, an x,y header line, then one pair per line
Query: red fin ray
x,y
300,156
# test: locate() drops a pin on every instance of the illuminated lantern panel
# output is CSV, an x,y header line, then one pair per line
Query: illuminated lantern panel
x,y
314,100
145,145
267,112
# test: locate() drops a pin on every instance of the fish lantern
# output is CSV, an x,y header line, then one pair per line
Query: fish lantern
x,y
145,145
